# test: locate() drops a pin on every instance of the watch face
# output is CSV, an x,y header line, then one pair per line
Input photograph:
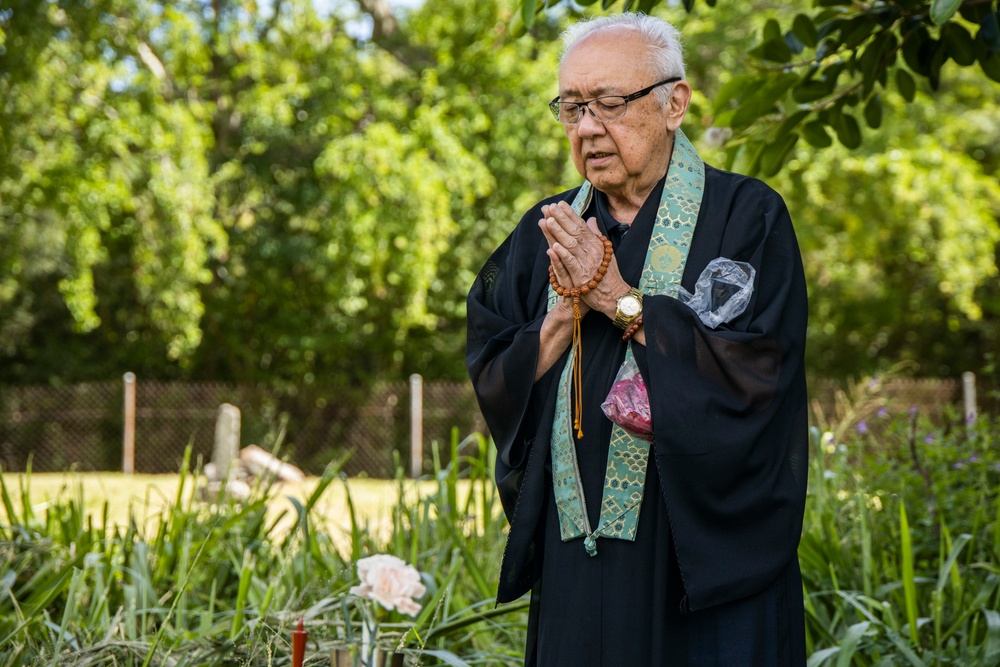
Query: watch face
x,y
629,305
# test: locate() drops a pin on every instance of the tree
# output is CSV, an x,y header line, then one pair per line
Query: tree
x,y
826,70
257,193
899,234
100,167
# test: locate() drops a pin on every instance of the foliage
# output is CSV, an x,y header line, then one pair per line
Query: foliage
x,y
827,70
898,235
219,583
900,556
903,242
271,193
256,193
901,543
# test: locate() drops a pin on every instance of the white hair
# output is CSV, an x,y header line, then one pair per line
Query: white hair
x,y
666,58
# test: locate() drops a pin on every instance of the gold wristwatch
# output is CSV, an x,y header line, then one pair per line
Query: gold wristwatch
x,y
629,308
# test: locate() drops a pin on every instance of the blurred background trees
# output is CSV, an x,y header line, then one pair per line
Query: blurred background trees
x,y
298,192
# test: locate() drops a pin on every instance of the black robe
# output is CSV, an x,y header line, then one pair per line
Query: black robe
x,y
712,577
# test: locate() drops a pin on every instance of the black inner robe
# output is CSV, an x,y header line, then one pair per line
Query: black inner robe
x,y
728,416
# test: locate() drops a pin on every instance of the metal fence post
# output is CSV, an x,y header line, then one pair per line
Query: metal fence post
x,y
416,425
128,435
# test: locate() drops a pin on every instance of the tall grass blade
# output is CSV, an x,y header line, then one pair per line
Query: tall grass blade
x,y
447,657
909,585
850,643
991,651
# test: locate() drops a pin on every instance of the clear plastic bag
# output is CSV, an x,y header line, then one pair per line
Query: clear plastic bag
x,y
627,403
722,292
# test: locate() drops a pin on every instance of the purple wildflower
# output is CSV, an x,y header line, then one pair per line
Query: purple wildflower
x,y
929,439
913,410
862,426
882,413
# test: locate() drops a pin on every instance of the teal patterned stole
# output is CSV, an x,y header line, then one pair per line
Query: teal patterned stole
x,y
625,480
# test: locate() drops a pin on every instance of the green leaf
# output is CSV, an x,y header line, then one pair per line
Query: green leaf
x,y
816,135
762,101
789,124
774,154
810,91
909,583
793,42
848,131
873,111
958,41
850,643
756,149
446,656
528,13
938,57
992,652
731,89
913,48
805,30
821,656
777,50
943,10
905,84
872,61
772,30
858,30
991,66
989,31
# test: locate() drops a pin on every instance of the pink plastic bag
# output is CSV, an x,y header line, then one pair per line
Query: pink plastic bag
x,y
627,403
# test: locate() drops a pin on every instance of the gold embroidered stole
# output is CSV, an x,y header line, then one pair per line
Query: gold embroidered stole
x,y
625,479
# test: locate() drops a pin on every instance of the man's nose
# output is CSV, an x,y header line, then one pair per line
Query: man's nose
x,y
589,125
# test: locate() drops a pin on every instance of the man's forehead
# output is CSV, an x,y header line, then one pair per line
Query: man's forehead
x,y
603,64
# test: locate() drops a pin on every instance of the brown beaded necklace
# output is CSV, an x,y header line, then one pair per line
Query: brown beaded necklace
x,y
575,293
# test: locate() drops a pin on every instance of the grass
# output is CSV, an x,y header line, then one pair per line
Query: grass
x,y
900,557
175,580
143,498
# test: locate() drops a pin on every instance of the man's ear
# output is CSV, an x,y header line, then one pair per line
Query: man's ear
x,y
677,106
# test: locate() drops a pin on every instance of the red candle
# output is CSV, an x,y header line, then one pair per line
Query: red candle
x,y
299,637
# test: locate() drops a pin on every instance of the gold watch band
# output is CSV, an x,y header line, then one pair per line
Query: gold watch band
x,y
624,318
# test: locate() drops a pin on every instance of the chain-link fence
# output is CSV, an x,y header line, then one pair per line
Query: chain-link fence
x,y
80,426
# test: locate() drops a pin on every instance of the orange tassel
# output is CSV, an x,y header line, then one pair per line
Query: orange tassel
x,y
575,292
577,369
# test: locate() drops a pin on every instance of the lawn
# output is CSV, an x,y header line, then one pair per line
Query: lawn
x,y
146,497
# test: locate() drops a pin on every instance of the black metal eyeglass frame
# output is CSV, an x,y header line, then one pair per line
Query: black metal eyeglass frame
x,y
555,104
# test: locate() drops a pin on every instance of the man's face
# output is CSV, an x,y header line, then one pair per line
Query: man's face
x,y
629,154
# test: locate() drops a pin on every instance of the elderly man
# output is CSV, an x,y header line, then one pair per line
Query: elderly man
x,y
682,550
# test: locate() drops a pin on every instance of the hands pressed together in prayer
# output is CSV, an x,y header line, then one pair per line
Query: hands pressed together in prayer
x,y
576,252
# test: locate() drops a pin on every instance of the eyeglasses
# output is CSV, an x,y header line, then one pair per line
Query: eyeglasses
x,y
606,108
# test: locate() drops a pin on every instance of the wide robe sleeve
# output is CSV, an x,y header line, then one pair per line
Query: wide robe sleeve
x,y
506,307
729,404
